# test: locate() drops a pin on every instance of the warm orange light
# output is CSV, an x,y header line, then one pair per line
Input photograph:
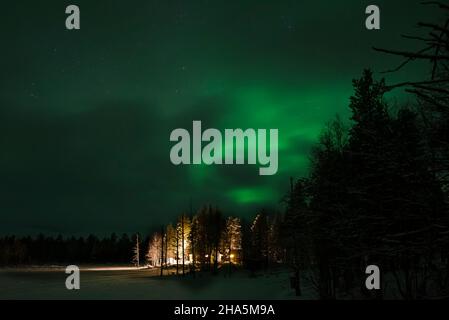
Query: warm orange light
x,y
232,256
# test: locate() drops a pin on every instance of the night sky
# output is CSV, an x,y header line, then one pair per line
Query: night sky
x,y
85,116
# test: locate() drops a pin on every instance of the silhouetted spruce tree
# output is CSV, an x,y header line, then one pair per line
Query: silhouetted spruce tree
x,y
259,240
193,240
331,234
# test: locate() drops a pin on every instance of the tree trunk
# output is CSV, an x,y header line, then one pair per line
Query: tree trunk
x,y
216,259
166,249
183,253
192,245
177,252
297,283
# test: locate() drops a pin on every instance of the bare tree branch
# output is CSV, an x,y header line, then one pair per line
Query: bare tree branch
x,y
403,64
427,98
435,89
433,26
414,84
413,55
437,51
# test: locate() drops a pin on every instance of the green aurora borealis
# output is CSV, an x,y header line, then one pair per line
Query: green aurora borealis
x,y
86,115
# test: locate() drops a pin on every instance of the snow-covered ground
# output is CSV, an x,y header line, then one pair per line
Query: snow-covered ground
x,y
129,283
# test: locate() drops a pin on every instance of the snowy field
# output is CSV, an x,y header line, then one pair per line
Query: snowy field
x,y
128,283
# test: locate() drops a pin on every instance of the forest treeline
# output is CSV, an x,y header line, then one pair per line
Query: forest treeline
x,y
202,241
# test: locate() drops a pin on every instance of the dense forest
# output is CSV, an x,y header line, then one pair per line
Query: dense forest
x,y
43,250
377,193
204,240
